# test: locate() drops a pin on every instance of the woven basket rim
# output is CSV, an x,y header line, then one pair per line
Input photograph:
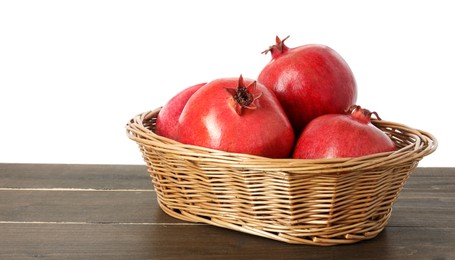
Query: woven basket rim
x,y
425,144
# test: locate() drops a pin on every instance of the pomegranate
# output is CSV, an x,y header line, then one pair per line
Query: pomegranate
x,y
342,136
309,81
168,117
237,115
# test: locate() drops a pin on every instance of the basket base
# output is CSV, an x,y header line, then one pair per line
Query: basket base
x,y
283,237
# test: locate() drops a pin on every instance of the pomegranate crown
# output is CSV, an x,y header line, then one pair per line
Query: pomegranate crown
x,y
278,48
244,96
361,113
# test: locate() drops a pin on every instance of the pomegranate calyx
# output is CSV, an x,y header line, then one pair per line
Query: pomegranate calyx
x,y
361,114
278,48
244,96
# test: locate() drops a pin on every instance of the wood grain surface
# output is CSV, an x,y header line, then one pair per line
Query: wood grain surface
x,y
110,212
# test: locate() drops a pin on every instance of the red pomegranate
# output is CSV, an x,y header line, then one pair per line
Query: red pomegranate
x,y
342,136
237,115
168,117
309,81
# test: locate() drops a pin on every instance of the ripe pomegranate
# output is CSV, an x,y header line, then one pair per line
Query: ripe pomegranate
x,y
168,117
237,115
309,81
342,136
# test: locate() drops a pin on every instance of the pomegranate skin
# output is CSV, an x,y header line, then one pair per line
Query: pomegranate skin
x,y
340,136
309,81
168,117
211,119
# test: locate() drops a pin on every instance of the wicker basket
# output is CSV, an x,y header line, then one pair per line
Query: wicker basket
x,y
318,202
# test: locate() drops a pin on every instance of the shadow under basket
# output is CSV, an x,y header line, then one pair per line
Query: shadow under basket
x,y
318,202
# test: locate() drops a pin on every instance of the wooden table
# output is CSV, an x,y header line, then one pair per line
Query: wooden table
x,y
110,212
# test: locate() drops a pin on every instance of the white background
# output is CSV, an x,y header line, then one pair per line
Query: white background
x,y
72,73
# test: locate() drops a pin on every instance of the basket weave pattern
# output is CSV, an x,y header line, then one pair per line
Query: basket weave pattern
x,y
319,202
